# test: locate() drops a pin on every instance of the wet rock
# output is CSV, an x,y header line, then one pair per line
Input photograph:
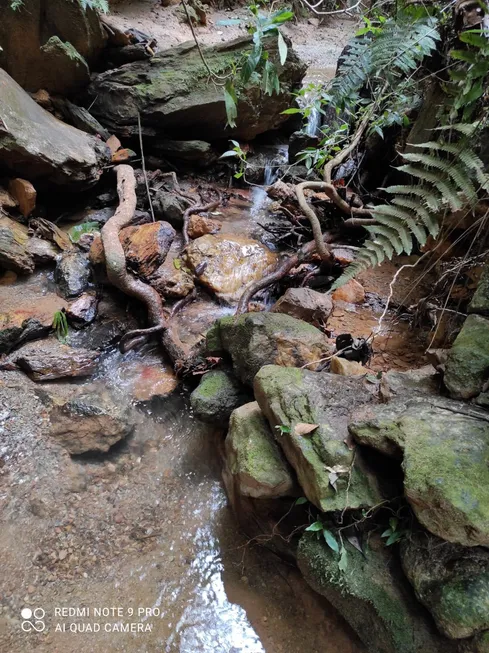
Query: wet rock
x,y
346,368
72,274
451,581
92,215
252,457
50,359
444,448
83,310
466,369
200,226
43,40
43,252
7,202
480,300
89,422
305,304
372,595
147,246
14,253
226,263
216,396
172,282
298,142
39,147
257,339
291,398
25,195
151,380
170,206
184,101
25,316
352,293
196,152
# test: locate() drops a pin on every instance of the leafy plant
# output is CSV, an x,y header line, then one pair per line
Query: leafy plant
x,y
394,533
283,429
239,154
331,540
60,325
79,230
256,66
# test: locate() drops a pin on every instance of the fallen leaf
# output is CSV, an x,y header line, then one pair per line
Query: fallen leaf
x,y
304,429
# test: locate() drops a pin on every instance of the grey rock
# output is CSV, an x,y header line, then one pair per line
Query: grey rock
x,y
216,396
72,274
467,366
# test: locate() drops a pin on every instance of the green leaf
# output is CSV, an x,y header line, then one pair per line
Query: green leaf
x,y
282,48
177,263
464,55
474,37
300,501
343,562
393,523
76,232
395,537
231,103
314,527
291,111
387,533
228,154
331,540
282,16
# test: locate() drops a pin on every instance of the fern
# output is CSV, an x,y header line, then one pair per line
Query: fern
x,y
446,174
395,50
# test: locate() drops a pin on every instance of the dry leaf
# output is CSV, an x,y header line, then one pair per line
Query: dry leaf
x,y
304,429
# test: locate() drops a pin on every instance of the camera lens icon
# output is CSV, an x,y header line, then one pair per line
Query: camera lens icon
x,y
33,620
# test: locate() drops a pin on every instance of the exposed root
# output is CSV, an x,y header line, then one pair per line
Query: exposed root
x,y
283,268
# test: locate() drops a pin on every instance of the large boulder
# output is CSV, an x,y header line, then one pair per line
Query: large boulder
x,y
451,581
252,457
467,366
48,43
92,421
256,339
445,449
226,263
35,145
174,96
371,593
308,412
216,396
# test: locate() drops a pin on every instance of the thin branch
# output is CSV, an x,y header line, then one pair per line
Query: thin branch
x,y
144,168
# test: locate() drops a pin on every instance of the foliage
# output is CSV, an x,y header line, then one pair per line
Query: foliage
x,y
79,230
60,325
394,533
256,66
239,154
283,429
331,540
16,4
98,5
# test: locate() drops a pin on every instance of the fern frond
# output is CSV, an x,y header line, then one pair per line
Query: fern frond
x,y
439,181
425,193
427,219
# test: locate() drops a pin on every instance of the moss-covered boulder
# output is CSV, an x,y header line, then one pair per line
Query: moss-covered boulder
x,y
373,596
332,474
256,339
445,449
451,581
480,300
216,396
47,43
253,458
467,367
174,95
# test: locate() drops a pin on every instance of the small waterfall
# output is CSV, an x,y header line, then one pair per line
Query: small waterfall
x,y
313,122
275,158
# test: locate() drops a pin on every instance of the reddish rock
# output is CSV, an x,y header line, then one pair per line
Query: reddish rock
x,y
200,226
305,304
352,293
113,143
50,359
145,247
25,194
14,254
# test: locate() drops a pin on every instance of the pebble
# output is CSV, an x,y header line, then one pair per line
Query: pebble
x,y
62,554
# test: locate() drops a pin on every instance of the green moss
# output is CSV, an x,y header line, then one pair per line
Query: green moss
x,y
216,396
467,366
465,603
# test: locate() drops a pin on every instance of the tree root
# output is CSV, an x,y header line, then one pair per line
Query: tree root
x,y
279,273
122,279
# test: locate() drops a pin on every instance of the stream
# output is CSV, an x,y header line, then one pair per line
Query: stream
x,y
145,530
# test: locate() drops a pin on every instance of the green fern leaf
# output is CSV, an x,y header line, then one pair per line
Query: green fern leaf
x,y
445,188
432,201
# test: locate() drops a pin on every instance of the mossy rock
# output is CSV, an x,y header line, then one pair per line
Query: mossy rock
x,y
253,458
173,94
257,339
372,595
445,449
467,366
289,397
480,300
451,581
216,396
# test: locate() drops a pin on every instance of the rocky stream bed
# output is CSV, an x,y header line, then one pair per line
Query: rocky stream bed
x,y
183,470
